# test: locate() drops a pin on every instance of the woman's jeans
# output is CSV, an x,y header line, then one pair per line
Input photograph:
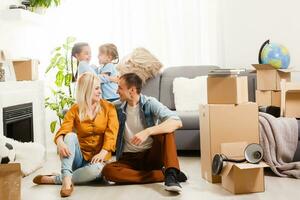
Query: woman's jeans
x,y
75,166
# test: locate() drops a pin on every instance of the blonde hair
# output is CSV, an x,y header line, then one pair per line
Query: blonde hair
x,y
110,50
84,94
141,62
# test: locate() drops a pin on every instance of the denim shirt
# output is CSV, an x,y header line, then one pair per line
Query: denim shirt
x,y
152,113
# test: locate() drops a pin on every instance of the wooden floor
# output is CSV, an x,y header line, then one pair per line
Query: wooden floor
x,y
195,188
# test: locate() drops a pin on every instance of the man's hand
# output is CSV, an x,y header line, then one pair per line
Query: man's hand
x,y
140,137
98,158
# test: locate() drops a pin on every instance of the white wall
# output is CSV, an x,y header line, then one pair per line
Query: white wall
x,y
30,39
248,23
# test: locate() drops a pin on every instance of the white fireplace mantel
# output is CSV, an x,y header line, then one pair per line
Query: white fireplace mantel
x,y
20,92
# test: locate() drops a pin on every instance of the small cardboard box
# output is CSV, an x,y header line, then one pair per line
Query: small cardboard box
x,y
10,181
268,98
290,99
227,89
268,78
26,69
241,178
225,123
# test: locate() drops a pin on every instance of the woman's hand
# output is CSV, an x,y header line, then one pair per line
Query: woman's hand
x,y
63,149
99,157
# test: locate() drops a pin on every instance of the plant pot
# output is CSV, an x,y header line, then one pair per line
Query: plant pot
x,y
39,10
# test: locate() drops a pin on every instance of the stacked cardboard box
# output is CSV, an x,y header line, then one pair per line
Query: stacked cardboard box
x,y
268,84
290,98
272,92
228,118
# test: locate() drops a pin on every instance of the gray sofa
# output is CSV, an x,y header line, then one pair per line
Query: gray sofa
x,y
161,87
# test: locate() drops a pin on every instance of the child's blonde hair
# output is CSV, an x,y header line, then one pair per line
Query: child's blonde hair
x,y
110,50
84,94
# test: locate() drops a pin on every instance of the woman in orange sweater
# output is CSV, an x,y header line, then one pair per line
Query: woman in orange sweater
x,y
86,138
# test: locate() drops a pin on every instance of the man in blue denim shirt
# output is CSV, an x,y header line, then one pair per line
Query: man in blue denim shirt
x,y
146,149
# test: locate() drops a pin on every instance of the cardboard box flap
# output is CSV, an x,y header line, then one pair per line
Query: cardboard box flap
x,y
251,166
226,169
228,166
270,67
234,150
263,66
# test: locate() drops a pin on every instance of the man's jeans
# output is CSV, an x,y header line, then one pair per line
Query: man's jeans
x,y
75,166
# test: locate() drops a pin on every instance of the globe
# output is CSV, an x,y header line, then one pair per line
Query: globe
x,y
274,54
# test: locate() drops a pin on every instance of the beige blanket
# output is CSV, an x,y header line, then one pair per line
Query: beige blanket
x,y
279,138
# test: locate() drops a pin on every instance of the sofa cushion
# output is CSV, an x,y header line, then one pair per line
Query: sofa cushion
x,y
189,99
190,119
151,87
166,84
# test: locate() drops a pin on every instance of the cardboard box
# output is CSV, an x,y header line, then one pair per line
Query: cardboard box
x,y
268,78
26,69
241,178
10,181
225,123
227,89
290,99
268,98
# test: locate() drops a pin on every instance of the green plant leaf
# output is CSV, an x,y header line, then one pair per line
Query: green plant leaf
x,y
63,103
68,79
53,91
59,78
61,96
57,49
53,62
66,47
71,39
53,126
54,107
61,63
57,2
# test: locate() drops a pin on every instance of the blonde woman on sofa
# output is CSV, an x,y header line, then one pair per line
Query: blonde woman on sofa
x,y
86,138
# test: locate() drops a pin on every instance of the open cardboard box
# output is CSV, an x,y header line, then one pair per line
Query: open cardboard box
x,y
227,89
241,178
225,123
268,98
268,78
290,99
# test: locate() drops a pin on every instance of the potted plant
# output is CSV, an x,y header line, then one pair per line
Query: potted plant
x,y
40,5
44,3
62,90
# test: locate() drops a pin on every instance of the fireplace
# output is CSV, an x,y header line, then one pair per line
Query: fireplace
x,y
18,122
